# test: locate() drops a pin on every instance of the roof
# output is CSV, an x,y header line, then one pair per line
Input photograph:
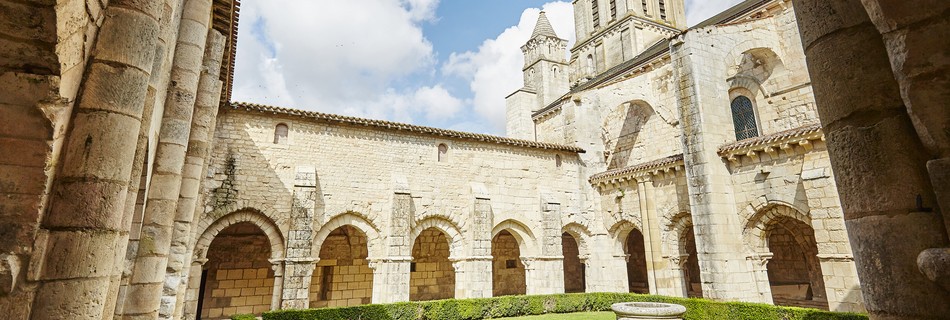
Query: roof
x,y
639,168
543,28
395,126
790,134
224,19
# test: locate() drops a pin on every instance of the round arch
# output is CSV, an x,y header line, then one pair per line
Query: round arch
x,y
526,239
674,233
210,229
758,227
580,234
446,226
354,220
620,231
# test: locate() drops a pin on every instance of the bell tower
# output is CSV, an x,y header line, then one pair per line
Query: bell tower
x,y
545,78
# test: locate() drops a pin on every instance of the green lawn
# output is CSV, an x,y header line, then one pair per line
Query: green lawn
x,y
570,316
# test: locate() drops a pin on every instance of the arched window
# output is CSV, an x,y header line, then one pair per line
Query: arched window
x,y
557,160
590,64
280,133
743,117
443,152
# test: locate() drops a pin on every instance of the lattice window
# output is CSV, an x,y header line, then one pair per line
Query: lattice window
x,y
280,134
743,117
613,9
594,12
662,10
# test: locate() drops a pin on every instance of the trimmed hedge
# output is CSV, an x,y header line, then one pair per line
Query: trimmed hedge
x,y
244,317
513,306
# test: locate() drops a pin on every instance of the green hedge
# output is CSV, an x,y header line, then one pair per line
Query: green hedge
x,y
244,317
513,306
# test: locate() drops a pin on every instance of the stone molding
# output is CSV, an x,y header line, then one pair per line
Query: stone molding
x,y
773,143
640,172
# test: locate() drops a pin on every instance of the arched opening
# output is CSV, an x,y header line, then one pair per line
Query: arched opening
x,y
574,270
590,65
237,277
637,278
431,275
794,270
508,273
691,276
280,133
443,152
342,277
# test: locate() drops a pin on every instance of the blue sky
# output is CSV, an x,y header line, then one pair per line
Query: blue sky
x,y
446,64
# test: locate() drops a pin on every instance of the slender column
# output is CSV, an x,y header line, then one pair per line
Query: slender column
x,y
81,235
278,266
877,155
758,263
651,232
199,147
192,294
147,281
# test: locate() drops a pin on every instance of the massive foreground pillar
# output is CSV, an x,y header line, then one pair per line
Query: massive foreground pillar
x,y
148,274
80,241
878,154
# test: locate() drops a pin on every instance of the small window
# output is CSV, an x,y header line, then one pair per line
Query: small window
x,y
510,264
595,13
443,152
645,11
743,117
613,9
280,134
590,64
557,160
412,267
662,10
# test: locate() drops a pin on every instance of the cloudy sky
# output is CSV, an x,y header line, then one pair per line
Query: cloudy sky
x,y
446,64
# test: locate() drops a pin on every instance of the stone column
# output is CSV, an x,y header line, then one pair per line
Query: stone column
x,y
147,281
473,277
544,274
473,272
879,159
677,273
651,233
391,272
199,147
841,277
80,240
758,263
278,266
192,294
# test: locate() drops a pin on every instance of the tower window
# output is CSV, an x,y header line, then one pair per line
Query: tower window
x,y
443,152
590,64
743,117
613,9
280,133
662,10
557,160
594,12
645,11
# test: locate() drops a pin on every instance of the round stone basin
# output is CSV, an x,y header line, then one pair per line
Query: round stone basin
x,y
647,310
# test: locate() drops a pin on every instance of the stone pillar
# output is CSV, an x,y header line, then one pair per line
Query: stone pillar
x,y
473,272
473,277
544,274
652,241
147,281
81,237
758,263
879,159
716,223
199,148
677,276
841,277
391,272
390,279
605,258
300,262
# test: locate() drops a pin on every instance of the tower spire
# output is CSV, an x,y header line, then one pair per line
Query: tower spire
x,y
543,28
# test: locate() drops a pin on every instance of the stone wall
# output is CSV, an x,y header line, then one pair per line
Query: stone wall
x,y
432,277
574,273
508,271
238,276
342,276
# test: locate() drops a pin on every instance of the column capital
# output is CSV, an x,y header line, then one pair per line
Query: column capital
x,y
762,258
199,262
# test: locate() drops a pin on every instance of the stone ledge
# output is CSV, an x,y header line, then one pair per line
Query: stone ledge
x,y
652,168
773,143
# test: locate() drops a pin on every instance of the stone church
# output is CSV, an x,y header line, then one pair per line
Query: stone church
x,y
775,153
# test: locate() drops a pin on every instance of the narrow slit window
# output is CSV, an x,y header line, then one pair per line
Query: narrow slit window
x,y
280,134
743,117
645,11
613,9
590,64
595,13
557,160
443,152
662,10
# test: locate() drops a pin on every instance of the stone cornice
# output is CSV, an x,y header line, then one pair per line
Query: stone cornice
x,y
395,126
638,172
773,143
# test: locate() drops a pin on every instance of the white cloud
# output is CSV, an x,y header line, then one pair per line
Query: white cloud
x,y
699,10
494,71
337,58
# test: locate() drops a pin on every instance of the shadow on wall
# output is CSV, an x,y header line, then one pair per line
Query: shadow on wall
x,y
637,115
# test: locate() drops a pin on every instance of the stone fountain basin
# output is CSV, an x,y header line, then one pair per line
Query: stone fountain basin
x,y
647,310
